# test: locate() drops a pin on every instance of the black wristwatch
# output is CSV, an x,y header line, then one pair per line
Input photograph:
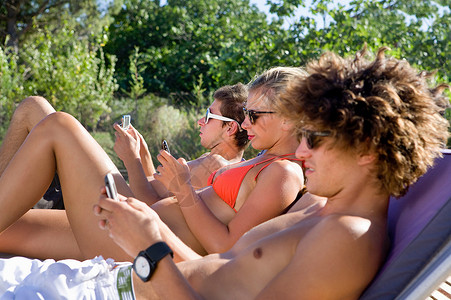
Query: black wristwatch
x,y
146,261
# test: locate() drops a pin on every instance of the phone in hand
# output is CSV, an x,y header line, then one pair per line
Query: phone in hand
x,y
110,185
126,119
164,146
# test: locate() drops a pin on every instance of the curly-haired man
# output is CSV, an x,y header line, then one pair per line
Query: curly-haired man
x,y
367,130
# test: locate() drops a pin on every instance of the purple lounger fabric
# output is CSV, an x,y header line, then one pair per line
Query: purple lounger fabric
x,y
419,224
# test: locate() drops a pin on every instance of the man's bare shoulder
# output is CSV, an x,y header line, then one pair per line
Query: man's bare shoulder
x,y
208,159
208,163
343,250
308,203
203,166
196,161
350,233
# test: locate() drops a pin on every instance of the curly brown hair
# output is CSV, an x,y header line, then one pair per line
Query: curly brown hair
x,y
384,106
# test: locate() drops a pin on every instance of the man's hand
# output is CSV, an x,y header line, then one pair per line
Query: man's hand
x,y
127,145
130,223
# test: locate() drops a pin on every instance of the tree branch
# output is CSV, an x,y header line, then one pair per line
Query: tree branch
x,y
44,6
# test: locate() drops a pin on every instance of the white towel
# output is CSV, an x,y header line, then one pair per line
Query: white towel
x,y
24,278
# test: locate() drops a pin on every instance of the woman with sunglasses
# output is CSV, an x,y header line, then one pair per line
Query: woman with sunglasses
x,y
241,195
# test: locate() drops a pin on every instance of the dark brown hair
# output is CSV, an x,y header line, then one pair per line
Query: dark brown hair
x,y
232,99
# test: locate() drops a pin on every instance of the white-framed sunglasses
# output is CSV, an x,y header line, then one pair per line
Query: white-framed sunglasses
x,y
209,115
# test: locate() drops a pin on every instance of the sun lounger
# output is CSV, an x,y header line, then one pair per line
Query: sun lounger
x,y
419,226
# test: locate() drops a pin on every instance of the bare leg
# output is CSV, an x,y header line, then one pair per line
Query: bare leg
x,y
59,142
35,233
29,112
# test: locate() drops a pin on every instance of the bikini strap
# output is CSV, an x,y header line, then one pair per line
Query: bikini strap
x,y
212,175
271,158
279,158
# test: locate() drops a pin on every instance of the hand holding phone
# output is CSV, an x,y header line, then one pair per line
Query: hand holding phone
x,y
164,146
110,185
126,119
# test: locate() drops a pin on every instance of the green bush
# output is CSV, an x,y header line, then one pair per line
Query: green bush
x,y
71,74
11,87
178,127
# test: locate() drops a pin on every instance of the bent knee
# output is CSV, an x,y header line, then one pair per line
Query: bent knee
x,y
36,103
35,100
57,122
32,110
164,204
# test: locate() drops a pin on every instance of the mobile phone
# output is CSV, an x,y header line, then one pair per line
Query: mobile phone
x,y
164,146
110,185
126,119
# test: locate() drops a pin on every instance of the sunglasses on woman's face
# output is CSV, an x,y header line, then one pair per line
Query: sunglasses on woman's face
x,y
313,137
209,115
254,114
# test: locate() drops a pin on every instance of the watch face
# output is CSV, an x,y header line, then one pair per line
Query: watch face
x,y
142,267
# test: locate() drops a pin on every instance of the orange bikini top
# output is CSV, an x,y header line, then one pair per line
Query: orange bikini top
x,y
228,183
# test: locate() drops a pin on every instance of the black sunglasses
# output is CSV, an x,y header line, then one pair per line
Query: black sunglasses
x,y
313,137
253,114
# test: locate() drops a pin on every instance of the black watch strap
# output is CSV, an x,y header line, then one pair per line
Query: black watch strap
x,y
158,251
146,262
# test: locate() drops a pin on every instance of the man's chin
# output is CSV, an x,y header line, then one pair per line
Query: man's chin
x,y
203,143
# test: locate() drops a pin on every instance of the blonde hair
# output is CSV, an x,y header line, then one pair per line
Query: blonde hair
x,y
273,82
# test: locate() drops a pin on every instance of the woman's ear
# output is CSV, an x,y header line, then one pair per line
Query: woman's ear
x,y
287,125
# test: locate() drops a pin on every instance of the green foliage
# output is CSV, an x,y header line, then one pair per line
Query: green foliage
x,y
137,82
218,39
417,30
176,55
21,20
106,140
11,87
169,123
71,74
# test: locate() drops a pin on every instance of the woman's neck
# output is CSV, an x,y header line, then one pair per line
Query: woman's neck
x,y
283,147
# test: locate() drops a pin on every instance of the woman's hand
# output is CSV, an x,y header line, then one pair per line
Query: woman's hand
x,y
132,224
173,174
127,145
143,148
144,153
